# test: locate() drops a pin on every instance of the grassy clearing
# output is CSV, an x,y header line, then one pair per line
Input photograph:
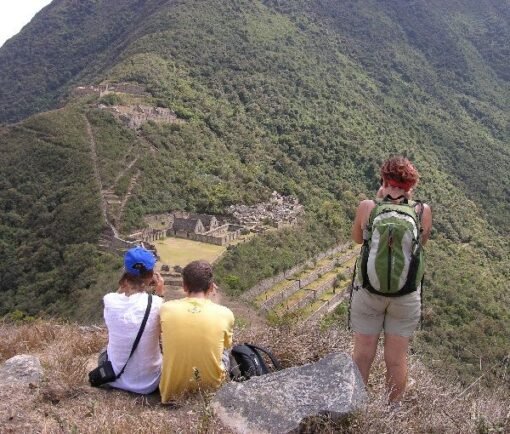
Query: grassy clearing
x,y
178,251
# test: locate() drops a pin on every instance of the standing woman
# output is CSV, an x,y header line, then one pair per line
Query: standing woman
x,y
373,311
124,311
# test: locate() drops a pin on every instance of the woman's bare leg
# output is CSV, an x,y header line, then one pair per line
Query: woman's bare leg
x,y
395,357
365,347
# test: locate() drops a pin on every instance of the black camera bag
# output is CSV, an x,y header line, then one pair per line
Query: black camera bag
x,y
103,374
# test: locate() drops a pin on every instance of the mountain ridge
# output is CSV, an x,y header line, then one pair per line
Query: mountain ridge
x,y
306,98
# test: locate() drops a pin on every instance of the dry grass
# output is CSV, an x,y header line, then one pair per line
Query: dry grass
x,y
65,403
431,405
25,338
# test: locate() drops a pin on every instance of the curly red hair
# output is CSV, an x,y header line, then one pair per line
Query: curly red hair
x,y
400,172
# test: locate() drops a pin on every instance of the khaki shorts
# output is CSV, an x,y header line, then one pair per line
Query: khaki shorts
x,y
371,313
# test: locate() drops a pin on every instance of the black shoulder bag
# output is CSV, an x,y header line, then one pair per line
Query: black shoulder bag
x,y
104,373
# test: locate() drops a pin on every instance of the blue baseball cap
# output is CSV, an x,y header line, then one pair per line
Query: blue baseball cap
x,y
138,260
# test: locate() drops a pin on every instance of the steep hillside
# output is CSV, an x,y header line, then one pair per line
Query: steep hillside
x,y
37,66
51,216
306,98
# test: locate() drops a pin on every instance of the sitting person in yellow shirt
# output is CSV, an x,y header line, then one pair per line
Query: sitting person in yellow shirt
x,y
194,333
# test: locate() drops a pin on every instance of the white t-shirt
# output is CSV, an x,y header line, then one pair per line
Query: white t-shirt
x,y
123,316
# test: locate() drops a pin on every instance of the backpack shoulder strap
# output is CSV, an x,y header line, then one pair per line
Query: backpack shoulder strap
x,y
373,212
420,205
258,349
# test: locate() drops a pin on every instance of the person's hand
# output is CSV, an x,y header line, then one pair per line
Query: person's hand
x,y
159,284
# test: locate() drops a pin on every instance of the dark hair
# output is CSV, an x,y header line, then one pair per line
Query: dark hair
x,y
197,276
136,280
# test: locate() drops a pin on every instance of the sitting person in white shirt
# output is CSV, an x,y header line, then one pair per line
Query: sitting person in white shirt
x,y
124,311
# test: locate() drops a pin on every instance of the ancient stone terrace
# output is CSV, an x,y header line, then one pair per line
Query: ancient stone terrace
x,y
134,116
309,290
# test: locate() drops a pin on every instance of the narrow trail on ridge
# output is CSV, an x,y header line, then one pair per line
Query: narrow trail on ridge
x,y
97,176
125,170
132,184
147,143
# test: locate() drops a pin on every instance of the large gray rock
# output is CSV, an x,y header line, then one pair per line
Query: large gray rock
x,y
21,369
278,402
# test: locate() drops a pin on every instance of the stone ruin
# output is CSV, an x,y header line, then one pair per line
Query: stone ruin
x,y
280,211
147,235
180,224
134,116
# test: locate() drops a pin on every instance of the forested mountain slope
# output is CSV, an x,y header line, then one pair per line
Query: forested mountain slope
x,y
306,98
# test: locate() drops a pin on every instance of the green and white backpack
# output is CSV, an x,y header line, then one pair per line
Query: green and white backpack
x,y
392,258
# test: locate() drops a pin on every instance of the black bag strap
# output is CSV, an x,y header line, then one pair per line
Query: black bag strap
x,y
421,301
421,207
275,362
139,335
351,289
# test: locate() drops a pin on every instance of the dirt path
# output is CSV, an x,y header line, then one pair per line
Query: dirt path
x,y
97,176
125,170
153,149
132,183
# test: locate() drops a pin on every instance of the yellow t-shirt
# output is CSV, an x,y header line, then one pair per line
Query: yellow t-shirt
x,y
194,333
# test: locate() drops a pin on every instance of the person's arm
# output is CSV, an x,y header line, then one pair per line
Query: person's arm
x,y
227,339
426,223
360,220
105,310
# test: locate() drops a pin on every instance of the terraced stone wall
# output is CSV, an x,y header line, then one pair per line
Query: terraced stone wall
x,y
318,272
266,284
319,313
282,295
314,294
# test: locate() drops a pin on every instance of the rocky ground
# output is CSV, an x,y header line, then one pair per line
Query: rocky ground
x,y
59,399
